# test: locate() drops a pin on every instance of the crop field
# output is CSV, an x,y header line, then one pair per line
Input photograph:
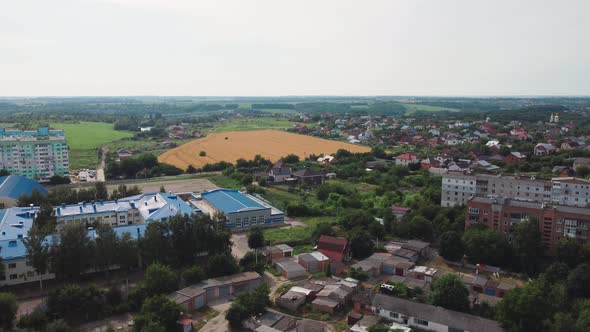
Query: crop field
x,y
231,146
85,138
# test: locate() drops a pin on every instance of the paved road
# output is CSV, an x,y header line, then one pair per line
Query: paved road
x,y
240,245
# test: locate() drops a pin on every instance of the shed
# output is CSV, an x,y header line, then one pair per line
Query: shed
x,y
314,262
290,269
291,300
325,304
397,267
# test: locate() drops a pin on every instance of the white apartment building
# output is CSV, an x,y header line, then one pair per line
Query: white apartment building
x,y
457,188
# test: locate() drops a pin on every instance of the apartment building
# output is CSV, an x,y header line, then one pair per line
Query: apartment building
x,y
458,188
127,211
555,221
36,154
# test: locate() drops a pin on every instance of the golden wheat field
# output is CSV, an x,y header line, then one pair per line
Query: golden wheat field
x,y
231,146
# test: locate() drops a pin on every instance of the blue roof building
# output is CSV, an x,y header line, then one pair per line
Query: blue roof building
x,y
12,187
240,210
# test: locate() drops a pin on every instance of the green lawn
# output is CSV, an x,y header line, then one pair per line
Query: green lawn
x,y
427,108
251,124
85,138
223,181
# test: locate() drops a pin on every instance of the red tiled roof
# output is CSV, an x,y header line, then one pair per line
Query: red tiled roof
x,y
333,240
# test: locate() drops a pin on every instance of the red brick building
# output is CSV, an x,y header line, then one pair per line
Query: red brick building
x,y
555,221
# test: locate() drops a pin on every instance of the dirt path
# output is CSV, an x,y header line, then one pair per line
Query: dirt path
x,y
101,166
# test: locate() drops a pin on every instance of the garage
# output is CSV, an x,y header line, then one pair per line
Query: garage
x,y
211,294
224,291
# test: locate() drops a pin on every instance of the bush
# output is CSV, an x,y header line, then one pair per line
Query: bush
x,y
8,308
202,154
36,321
193,275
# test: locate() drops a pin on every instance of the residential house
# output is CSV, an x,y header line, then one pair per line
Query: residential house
x,y
271,254
399,211
278,172
515,158
308,176
406,159
123,154
544,149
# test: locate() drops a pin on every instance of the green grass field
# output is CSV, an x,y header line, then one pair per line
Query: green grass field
x,y
417,107
85,138
251,124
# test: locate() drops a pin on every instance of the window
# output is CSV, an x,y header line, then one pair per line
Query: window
x,y
393,315
421,322
13,277
28,263
12,265
473,211
30,274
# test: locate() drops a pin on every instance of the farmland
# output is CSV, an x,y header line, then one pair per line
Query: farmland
x,y
270,144
411,108
84,138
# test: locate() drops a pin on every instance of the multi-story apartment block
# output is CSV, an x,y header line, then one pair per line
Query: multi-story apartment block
x,y
555,221
127,211
38,154
458,188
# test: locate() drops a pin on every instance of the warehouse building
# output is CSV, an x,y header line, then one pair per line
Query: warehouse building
x,y
240,210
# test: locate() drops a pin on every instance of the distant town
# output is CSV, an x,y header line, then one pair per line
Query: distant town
x,y
345,214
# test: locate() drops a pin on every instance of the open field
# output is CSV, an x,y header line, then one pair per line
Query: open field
x,y
271,144
251,124
85,138
417,107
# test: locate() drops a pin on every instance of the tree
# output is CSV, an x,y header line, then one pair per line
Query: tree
x,y
451,246
561,322
155,244
528,244
106,248
569,251
37,252
356,218
8,308
127,255
221,265
162,189
291,159
578,281
73,254
160,310
59,325
361,245
101,191
36,321
159,279
193,275
250,263
247,304
191,169
485,246
526,308
322,229
255,239
449,292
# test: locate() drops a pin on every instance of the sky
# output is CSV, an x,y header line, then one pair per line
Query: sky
x,y
302,47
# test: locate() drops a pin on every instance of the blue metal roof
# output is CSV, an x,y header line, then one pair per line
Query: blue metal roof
x,y
16,186
16,222
230,201
44,131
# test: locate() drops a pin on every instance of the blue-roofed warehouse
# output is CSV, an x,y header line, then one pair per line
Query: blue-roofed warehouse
x,y
240,210
12,187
